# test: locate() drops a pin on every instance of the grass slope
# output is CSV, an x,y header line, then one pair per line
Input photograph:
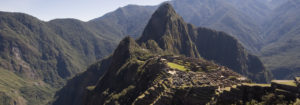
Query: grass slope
x,y
21,91
176,66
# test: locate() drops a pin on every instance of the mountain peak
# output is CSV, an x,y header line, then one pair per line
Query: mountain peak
x,y
160,22
165,10
169,31
126,45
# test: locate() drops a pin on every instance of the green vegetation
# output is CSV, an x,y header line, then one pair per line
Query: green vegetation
x,y
256,84
297,78
227,88
211,68
232,77
176,66
297,102
14,87
90,88
123,92
285,82
281,90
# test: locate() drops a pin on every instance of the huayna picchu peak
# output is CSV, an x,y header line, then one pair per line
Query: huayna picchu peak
x,y
157,69
169,31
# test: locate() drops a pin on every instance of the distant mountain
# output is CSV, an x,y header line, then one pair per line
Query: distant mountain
x,y
282,41
137,67
128,20
241,19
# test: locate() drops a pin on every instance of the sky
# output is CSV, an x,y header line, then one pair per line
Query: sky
x,y
79,9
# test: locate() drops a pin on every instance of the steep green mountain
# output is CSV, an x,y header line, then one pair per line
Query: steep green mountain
x,y
280,53
42,55
138,66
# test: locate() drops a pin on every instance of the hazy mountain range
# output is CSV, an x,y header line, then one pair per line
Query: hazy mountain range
x,y
38,57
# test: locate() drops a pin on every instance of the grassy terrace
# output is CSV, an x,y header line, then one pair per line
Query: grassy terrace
x,y
255,84
176,66
90,88
29,90
227,88
285,82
